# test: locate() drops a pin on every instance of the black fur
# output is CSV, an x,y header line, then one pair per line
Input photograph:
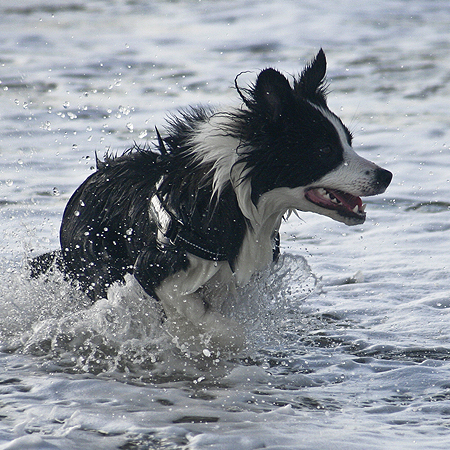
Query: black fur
x,y
287,150
106,229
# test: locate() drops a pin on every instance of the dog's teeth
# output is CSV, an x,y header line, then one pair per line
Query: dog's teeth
x,y
333,199
356,209
328,195
363,207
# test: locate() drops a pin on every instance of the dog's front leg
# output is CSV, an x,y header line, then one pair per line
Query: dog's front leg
x,y
190,317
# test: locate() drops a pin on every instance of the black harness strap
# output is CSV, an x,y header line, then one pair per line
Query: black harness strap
x,y
173,233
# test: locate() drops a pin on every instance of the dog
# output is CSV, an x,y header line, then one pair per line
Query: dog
x,y
199,213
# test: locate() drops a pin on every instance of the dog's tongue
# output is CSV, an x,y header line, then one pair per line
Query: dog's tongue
x,y
335,199
348,200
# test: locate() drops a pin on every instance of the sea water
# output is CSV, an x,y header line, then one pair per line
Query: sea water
x,y
348,335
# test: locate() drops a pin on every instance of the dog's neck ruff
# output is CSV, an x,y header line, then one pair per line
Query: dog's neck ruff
x,y
173,233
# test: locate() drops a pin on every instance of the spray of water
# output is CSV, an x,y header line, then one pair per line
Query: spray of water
x,y
125,334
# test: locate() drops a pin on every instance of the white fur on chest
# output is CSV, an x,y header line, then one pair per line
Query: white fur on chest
x,y
212,145
256,252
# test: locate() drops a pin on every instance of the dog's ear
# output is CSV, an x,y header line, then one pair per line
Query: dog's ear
x,y
312,85
272,93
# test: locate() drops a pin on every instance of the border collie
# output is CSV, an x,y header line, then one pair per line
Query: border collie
x,y
198,213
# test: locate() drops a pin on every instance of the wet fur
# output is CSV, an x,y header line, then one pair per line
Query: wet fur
x,y
230,176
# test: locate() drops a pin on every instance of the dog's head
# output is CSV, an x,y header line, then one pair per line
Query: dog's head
x,y
295,147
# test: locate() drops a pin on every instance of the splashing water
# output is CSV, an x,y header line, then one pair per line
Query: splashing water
x,y
125,332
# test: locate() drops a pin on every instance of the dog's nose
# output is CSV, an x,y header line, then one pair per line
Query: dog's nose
x,y
383,177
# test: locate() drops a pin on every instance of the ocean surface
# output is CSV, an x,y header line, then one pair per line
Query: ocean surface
x,y
348,336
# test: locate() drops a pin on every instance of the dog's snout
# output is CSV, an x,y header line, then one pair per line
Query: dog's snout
x,y
383,177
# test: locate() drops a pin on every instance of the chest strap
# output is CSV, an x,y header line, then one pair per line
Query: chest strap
x,y
173,233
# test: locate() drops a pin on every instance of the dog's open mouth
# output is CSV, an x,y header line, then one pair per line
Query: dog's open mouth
x,y
345,204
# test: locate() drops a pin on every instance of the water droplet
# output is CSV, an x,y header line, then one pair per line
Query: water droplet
x,y
9,183
117,82
66,105
142,134
130,127
125,110
47,126
55,192
129,231
76,213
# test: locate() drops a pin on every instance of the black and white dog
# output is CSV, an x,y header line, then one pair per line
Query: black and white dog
x,y
199,214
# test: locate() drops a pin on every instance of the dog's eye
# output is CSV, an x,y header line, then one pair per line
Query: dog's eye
x,y
326,150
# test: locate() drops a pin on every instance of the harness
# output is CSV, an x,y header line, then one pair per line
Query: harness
x,y
173,233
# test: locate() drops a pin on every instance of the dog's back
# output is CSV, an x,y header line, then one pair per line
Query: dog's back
x,y
105,222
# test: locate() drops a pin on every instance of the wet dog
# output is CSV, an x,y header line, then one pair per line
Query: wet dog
x,y
199,212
